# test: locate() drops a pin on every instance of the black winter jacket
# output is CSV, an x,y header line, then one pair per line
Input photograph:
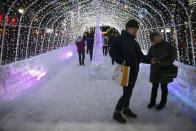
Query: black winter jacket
x,y
165,53
125,48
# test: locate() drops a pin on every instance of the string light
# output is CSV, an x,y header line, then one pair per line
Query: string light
x,y
47,33
21,11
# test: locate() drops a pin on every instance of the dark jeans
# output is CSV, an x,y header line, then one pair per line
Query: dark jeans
x,y
112,58
112,61
105,50
81,57
91,53
127,92
88,50
155,90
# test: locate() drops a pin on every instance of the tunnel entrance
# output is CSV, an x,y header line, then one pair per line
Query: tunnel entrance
x,y
106,30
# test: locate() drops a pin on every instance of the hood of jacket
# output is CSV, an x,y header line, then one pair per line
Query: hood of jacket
x,y
78,40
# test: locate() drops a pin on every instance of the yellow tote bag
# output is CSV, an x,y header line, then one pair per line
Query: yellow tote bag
x,y
125,78
120,75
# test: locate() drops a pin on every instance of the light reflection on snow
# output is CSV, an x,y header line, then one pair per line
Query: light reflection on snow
x,y
25,74
21,80
69,54
66,53
183,95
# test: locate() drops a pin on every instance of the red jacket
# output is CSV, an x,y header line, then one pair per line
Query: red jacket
x,y
81,46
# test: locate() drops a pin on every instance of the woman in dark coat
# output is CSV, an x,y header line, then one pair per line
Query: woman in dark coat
x,y
164,54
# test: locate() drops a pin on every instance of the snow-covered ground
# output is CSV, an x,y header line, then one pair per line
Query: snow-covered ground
x,y
66,99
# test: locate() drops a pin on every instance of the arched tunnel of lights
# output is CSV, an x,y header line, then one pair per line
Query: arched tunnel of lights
x,y
32,27
35,35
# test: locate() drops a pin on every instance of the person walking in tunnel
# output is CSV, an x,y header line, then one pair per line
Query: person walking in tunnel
x,y
80,43
91,44
87,44
105,45
110,43
125,49
165,55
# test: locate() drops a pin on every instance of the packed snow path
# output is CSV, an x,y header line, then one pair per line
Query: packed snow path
x,y
69,101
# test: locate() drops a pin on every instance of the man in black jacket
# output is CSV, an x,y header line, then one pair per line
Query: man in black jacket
x,y
91,44
126,49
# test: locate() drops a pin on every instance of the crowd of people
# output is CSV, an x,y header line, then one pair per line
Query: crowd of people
x,y
125,50
86,44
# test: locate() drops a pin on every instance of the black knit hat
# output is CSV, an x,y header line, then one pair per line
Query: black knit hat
x,y
132,24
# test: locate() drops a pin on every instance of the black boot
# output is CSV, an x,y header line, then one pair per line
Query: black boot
x,y
126,111
118,117
160,106
151,105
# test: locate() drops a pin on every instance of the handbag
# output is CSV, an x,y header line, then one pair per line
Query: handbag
x,y
120,75
170,71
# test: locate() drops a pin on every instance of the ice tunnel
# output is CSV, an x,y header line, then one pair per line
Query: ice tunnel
x,y
36,33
